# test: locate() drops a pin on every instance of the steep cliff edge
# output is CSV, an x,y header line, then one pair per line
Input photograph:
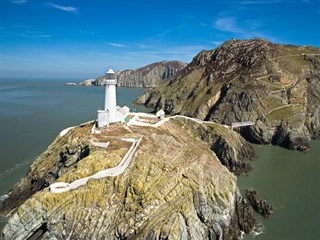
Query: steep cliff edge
x,y
174,188
275,86
147,76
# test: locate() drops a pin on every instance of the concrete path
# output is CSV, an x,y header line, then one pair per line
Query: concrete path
x,y
101,144
65,131
110,172
284,106
135,122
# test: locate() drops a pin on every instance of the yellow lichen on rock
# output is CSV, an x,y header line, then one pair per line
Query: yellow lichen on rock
x,y
174,187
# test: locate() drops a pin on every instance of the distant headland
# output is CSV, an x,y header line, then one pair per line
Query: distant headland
x,y
148,76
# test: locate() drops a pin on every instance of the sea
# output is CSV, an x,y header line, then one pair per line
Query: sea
x,y
34,111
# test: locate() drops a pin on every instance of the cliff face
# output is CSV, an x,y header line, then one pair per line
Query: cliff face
x,y
147,76
275,86
174,188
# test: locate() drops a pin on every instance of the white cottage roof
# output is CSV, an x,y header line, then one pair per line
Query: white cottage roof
x,y
160,112
124,110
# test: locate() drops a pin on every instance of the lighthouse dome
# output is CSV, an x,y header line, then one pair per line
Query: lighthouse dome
x,y
111,75
110,70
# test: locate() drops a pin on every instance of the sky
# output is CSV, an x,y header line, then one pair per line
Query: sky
x,y
82,39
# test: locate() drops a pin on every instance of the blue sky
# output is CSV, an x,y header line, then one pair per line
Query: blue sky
x,y
68,38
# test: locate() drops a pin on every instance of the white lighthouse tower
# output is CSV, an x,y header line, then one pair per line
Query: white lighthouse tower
x,y
110,98
111,113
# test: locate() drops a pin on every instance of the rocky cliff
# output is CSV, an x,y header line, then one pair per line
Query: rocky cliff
x,y
174,188
147,76
275,86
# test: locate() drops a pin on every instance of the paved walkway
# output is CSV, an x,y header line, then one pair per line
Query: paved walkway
x,y
284,106
295,55
110,172
135,121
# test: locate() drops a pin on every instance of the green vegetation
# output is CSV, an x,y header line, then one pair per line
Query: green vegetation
x,y
271,103
291,114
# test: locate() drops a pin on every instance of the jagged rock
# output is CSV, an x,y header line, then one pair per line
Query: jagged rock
x,y
174,188
147,76
244,213
71,84
60,157
229,146
259,205
88,82
274,85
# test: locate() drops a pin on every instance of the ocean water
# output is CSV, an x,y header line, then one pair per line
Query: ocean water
x,y
289,181
34,111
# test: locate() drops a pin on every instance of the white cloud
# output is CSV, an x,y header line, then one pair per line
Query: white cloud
x,y
20,26
18,1
249,29
84,31
169,31
64,8
227,24
183,53
140,45
216,43
30,35
44,36
119,45
35,35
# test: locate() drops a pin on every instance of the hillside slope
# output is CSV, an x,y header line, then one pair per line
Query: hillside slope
x,y
276,86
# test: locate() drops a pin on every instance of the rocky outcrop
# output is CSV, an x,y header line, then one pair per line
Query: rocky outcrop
x,y
230,148
147,76
174,188
275,86
60,157
88,82
259,205
71,84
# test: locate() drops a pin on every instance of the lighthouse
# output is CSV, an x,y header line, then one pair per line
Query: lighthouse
x,y
110,98
111,113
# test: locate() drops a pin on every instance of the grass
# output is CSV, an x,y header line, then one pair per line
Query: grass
x,y
289,114
271,103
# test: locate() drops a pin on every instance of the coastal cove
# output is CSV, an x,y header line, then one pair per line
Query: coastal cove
x,y
33,112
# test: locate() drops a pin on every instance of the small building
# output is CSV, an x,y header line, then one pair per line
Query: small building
x,y
160,114
103,118
122,113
